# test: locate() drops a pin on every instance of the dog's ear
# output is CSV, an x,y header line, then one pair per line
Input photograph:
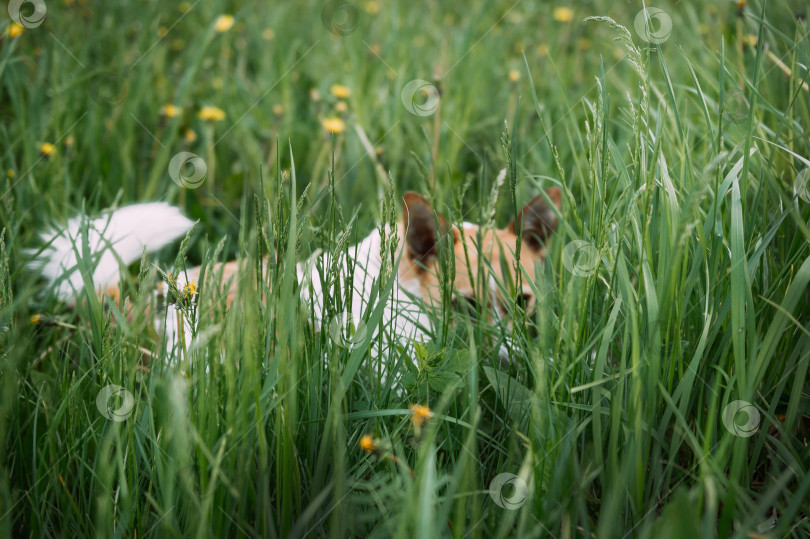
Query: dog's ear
x,y
539,219
421,235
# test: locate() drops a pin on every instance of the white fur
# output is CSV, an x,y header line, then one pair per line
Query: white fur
x,y
402,317
122,234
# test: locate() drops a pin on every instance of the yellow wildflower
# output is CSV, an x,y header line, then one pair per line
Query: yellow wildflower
x,y
563,14
224,23
542,49
334,125
190,290
368,443
514,75
10,174
268,34
47,149
278,109
420,414
212,114
170,111
36,319
341,106
13,30
372,7
750,39
340,91
190,136
184,7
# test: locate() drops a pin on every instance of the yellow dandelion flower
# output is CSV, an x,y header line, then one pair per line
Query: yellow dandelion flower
x,y
13,30
368,443
372,7
190,290
190,136
563,14
10,174
314,95
542,49
278,109
268,34
70,140
184,7
162,31
341,106
224,23
36,319
514,75
340,91
47,149
334,125
170,111
750,39
212,114
420,414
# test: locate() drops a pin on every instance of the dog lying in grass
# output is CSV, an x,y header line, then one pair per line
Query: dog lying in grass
x,y
485,273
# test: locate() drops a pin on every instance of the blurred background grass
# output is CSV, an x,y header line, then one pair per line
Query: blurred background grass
x,y
611,411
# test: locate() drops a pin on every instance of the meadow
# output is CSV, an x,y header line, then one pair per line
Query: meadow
x,y
659,388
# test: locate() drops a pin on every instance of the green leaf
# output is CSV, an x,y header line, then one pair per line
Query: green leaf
x,y
441,380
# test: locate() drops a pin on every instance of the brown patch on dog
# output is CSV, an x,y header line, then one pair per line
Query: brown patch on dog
x,y
497,248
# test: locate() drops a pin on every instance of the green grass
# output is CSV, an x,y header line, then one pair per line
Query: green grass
x,y
677,163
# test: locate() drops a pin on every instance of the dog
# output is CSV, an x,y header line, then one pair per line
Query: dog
x,y
484,259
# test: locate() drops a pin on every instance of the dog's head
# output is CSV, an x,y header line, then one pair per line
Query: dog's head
x,y
492,257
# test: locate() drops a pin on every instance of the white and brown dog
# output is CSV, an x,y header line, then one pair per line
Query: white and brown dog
x,y
120,238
